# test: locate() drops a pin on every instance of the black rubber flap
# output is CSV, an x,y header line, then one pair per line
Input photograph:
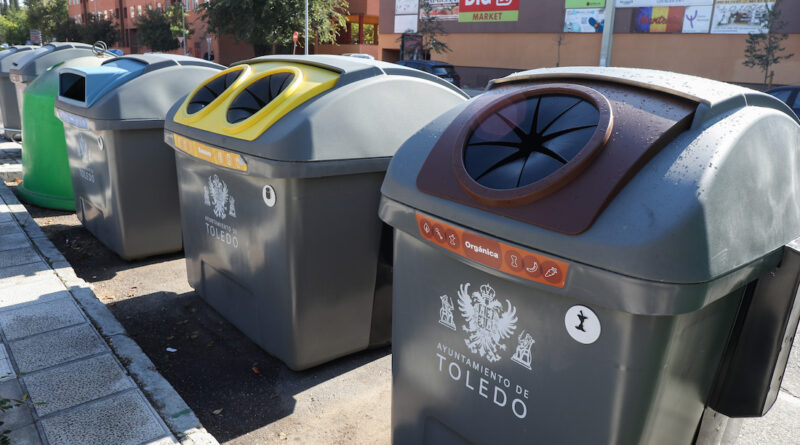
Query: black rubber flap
x,y
257,95
211,91
529,140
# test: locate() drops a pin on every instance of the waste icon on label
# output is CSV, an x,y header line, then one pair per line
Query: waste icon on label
x,y
582,324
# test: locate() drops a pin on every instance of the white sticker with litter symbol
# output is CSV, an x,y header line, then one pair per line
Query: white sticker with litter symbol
x,y
582,324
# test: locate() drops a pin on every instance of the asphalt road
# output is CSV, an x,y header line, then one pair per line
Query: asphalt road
x,y
241,394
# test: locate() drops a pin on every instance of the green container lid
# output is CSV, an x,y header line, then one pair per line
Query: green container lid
x,y
46,180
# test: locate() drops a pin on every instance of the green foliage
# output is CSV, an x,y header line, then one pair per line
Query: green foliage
x,y
159,30
69,31
431,30
764,50
97,28
47,16
9,404
270,23
14,26
176,22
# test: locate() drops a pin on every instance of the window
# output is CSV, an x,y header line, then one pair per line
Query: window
x,y
125,12
139,10
133,14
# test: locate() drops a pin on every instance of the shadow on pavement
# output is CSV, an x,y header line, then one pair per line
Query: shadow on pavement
x,y
215,367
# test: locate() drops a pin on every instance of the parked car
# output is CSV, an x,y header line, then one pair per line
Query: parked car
x,y
435,67
790,95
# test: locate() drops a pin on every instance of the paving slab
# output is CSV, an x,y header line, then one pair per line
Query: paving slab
x,y
56,347
13,241
19,416
27,435
123,420
18,275
15,257
41,317
37,289
9,227
6,369
76,383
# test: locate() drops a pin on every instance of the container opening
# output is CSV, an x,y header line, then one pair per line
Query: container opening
x,y
212,90
72,86
257,95
529,140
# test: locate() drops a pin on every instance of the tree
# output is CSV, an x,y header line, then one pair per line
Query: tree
x,y
97,28
431,30
764,50
69,31
47,16
14,26
159,30
267,24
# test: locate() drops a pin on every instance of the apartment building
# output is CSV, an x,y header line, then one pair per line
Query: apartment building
x,y
224,49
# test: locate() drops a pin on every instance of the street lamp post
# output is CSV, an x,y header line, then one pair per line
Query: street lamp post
x,y
183,25
306,40
608,33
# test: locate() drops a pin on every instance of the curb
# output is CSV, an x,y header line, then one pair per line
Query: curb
x,y
178,416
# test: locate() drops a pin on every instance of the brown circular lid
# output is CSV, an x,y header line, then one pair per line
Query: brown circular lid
x,y
527,144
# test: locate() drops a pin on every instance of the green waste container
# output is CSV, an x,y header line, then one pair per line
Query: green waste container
x,y
9,109
30,66
46,180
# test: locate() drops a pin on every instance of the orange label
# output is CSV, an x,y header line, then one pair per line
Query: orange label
x,y
211,154
494,254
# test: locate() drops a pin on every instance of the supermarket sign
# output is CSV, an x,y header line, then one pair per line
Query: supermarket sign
x,y
488,10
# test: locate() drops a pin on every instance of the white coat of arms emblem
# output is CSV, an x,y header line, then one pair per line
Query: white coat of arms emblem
x,y
217,197
523,354
488,323
446,312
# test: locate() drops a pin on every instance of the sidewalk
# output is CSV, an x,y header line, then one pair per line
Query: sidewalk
x,y
10,160
87,381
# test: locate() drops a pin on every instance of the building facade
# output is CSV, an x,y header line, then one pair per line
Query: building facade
x,y
361,34
224,50
492,38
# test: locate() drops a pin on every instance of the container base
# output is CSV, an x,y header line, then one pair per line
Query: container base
x,y
46,201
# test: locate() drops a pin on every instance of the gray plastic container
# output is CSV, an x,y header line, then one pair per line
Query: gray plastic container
x,y
645,278
123,173
34,63
291,250
9,107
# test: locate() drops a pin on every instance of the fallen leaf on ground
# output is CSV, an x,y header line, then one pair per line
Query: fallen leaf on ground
x,y
256,370
172,350
216,412
282,436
